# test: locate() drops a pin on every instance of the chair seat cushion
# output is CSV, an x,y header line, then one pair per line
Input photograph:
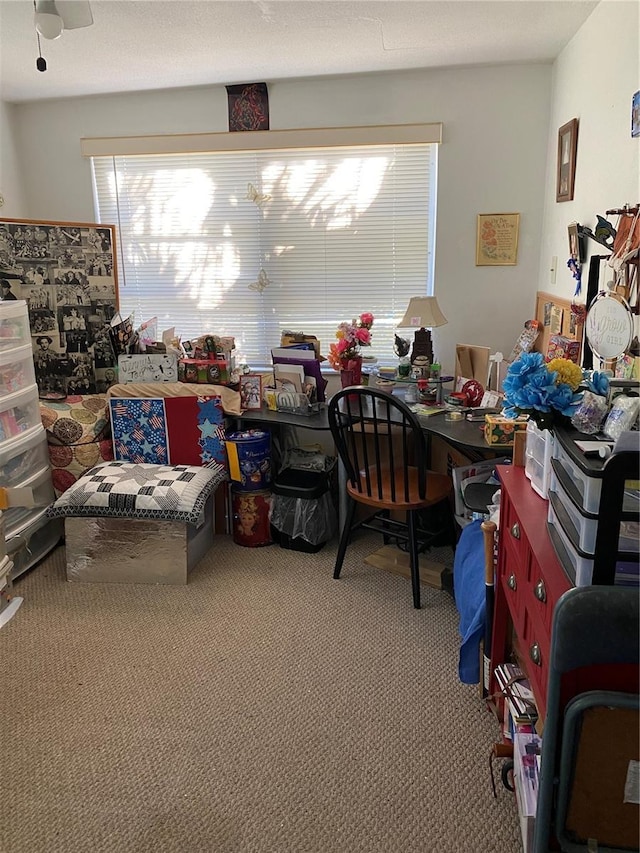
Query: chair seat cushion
x,y
140,490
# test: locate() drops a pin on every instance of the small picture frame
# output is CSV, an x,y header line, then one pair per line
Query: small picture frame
x,y
567,149
497,239
251,391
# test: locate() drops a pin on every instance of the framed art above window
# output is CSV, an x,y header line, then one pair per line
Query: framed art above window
x,y
567,149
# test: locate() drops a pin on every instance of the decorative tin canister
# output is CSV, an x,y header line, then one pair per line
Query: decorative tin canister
x,y
250,512
249,455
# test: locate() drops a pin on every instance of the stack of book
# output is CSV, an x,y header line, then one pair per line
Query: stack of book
x,y
517,692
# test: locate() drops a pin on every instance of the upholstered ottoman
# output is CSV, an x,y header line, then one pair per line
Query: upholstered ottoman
x,y
129,522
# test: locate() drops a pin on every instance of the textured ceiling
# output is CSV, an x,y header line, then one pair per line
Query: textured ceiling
x,y
137,45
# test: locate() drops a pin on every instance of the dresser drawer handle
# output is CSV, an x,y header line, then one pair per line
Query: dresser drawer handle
x,y
540,591
515,530
534,654
512,583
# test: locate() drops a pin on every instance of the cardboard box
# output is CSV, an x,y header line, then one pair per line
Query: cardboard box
x,y
561,347
472,363
500,430
203,371
286,339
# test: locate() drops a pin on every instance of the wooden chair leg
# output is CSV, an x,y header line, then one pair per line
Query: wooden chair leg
x,y
414,559
344,536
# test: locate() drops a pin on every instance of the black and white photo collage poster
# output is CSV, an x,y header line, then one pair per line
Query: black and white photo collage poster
x,y
66,275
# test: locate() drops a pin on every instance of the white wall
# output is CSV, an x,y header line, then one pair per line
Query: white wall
x,y
11,178
492,160
594,79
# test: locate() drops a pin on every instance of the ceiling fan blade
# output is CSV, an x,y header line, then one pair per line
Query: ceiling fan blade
x,y
74,13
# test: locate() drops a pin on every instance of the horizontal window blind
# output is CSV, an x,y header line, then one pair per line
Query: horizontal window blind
x,y
251,243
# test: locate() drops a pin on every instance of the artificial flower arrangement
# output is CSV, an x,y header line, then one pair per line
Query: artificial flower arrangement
x,y
351,337
548,392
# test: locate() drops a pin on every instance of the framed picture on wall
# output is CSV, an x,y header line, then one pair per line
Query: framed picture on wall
x,y
497,239
66,272
567,149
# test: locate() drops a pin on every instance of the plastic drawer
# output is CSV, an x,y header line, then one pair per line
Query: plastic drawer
x,y
43,495
33,541
588,488
18,413
24,456
538,451
14,325
584,529
578,567
16,370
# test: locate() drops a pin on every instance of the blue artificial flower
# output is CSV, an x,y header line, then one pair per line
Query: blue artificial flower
x,y
598,383
531,387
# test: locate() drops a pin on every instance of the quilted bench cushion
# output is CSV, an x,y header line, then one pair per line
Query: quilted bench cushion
x,y
140,491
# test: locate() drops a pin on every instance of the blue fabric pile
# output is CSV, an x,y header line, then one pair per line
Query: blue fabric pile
x,y
469,592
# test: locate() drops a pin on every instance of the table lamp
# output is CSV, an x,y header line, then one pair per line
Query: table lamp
x,y
422,314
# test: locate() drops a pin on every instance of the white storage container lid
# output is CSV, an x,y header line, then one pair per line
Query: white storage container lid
x,y
9,356
21,443
20,398
12,308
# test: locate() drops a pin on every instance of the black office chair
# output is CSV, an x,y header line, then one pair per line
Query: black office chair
x,y
382,447
588,742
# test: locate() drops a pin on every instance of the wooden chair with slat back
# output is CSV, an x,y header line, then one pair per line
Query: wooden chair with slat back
x,y
382,447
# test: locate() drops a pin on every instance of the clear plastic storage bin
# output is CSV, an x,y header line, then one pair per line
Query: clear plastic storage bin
x,y
19,412
43,496
32,541
538,451
14,325
16,370
24,456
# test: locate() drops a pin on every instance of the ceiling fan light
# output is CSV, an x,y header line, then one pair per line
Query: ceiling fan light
x,y
49,25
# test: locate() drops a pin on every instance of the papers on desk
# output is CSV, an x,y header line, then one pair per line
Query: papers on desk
x,y
302,352
424,411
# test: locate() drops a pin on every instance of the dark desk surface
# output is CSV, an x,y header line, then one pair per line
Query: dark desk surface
x,y
462,434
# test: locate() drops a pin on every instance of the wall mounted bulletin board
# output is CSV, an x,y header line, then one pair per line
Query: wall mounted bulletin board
x,y
497,239
66,272
556,318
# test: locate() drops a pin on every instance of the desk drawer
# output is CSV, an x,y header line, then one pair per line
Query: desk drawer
x,y
534,648
512,534
544,590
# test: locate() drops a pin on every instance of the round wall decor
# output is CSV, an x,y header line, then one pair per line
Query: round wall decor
x,y
609,326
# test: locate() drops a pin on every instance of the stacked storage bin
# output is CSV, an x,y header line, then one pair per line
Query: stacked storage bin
x,y
575,512
24,459
538,452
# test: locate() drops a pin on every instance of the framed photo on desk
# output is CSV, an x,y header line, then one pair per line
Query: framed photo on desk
x,y
251,391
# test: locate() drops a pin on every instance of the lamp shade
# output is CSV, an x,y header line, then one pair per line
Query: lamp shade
x,y
423,312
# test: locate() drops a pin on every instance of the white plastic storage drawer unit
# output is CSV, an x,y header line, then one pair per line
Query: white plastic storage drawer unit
x,y
583,483
578,566
14,325
33,540
538,450
24,456
19,412
43,496
16,370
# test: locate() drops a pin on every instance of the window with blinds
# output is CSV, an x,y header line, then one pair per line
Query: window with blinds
x,y
248,243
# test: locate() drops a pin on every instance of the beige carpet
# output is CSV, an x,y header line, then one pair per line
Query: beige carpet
x,y
263,707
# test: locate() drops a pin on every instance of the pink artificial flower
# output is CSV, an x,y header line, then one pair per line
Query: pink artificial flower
x,y
367,319
364,336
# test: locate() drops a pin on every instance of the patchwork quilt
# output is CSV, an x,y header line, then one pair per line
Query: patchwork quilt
x,y
140,491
